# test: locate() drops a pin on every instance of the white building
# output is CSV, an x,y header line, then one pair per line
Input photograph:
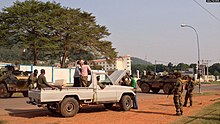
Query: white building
x,y
120,63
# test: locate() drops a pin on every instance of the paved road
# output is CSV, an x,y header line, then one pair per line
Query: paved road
x,y
14,105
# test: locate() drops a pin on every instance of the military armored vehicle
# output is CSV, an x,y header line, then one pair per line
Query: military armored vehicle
x,y
155,84
12,81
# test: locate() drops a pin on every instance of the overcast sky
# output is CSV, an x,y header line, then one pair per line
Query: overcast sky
x,y
150,29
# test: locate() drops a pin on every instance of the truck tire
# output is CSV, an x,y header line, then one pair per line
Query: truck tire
x,y
125,103
4,92
108,105
69,107
155,90
145,88
166,88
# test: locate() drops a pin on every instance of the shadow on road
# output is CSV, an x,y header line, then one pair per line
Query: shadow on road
x,y
13,97
160,93
28,113
150,112
32,113
166,104
97,108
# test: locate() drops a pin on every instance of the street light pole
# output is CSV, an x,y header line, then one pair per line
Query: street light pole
x,y
197,39
155,69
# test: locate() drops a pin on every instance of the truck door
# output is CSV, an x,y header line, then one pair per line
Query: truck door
x,y
105,90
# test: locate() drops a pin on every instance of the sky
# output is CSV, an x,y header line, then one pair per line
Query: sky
x,y
150,29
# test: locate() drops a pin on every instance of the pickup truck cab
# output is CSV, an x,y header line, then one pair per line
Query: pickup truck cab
x,y
68,100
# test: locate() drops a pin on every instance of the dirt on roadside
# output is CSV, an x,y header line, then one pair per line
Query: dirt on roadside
x,y
157,110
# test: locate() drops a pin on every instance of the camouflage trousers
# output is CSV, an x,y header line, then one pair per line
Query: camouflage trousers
x,y
188,96
177,99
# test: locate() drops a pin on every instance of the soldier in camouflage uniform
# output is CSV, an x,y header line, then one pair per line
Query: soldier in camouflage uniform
x,y
177,95
189,91
32,80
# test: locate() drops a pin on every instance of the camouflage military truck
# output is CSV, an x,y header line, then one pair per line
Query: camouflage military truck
x,y
12,81
155,84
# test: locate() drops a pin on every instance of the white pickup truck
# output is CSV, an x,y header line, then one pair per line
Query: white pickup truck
x,y
68,100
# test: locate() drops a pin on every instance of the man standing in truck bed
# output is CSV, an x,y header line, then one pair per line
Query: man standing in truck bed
x,y
85,70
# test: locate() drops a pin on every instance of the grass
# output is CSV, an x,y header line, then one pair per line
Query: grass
x,y
208,115
214,82
3,122
204,94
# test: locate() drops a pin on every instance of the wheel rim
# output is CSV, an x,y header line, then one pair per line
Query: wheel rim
x,y
69,107
166,88
145,88
128,103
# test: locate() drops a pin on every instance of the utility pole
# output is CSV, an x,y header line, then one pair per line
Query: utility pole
x,y
155,68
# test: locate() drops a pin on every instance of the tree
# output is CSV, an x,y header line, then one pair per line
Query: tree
x,y
25,23
141,68
215,69
170,67
47,29
182,66
193,65
77,31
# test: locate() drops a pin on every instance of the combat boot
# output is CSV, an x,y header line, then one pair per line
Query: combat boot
x,y
184,105
181,112
190,104
178,113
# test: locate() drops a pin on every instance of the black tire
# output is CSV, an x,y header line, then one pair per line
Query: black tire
x,y
108,105
125,103
155,90
166,88
145,88
69,107
25,93
4,92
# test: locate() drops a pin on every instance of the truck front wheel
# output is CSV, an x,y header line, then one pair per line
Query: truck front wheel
x,y
145,88
125,103
69,107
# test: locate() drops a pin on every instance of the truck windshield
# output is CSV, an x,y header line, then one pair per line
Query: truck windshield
x,y
104,79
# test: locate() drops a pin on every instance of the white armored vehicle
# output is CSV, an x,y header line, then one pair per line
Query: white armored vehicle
x,y
68,100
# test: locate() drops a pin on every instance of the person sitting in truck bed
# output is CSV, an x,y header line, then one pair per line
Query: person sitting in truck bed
x,y
42,82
